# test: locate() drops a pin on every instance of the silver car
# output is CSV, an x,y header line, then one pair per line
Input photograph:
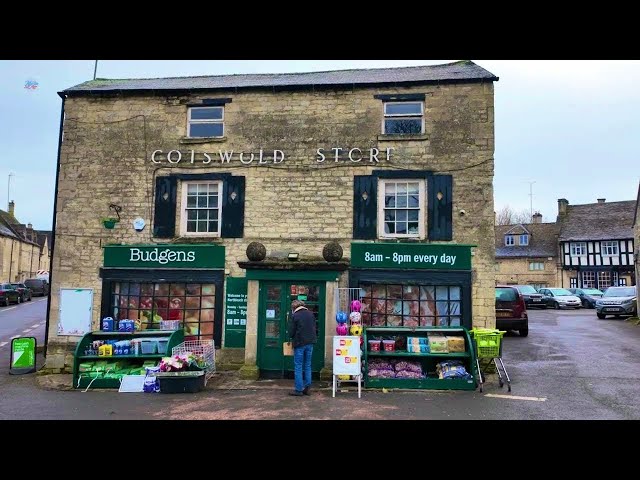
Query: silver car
x,y
559,298
617,301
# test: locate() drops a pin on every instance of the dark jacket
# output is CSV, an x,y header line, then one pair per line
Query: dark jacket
x,y
302,327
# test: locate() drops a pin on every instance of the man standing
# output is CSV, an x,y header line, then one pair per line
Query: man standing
x,y
302,331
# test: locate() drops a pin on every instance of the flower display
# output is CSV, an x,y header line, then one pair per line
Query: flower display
x,y
181,363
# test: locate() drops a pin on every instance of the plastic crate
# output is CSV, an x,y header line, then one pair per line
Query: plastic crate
x,y
162,346
148,347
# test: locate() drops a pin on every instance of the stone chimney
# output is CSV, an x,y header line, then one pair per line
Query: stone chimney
x,y
601,200
30,226
537,218
12,208
563,204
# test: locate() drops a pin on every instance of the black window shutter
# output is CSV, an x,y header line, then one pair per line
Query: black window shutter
x,y
440,210
233,207
365,207
164,218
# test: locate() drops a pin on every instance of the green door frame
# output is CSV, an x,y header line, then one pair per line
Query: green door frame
x,y
268,357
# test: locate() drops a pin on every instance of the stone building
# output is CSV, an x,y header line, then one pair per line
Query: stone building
x,y
23,250
527,254
596,244
377,180
636,238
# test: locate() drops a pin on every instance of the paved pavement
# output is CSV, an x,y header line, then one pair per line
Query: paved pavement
x,y
571,366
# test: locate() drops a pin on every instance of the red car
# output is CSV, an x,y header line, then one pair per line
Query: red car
x,y
511,311
8,294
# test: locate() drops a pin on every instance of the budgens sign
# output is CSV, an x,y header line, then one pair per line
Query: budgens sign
x,y
411,256
164,256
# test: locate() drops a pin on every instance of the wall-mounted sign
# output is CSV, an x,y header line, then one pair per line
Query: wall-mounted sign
x,y
273,157
411,255
235,313
164,256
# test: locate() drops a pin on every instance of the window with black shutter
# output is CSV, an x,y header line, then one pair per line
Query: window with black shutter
x,y
164,218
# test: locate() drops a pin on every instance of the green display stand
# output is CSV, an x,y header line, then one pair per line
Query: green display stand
x,y
427,360
175,337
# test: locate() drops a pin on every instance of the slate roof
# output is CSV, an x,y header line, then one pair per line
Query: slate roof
x,y
465,71
598,221
7,232
542,241
42,235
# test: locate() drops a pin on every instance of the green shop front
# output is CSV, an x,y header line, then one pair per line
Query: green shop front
x,y
411,292
271,287
151,283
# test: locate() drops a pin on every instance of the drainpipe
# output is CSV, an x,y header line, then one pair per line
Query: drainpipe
x,y
53,233
31,266
11,261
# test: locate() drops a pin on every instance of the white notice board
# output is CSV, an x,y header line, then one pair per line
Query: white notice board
x,y
346,355
76,311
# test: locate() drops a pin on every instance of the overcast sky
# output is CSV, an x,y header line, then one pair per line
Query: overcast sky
x,y
568,126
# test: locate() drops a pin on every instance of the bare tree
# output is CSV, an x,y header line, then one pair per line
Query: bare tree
x,y
507,216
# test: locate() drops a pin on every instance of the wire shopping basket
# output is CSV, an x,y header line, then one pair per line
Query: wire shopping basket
x,y
202,348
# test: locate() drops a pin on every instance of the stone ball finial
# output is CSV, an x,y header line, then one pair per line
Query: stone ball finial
x,y
256,252
332,251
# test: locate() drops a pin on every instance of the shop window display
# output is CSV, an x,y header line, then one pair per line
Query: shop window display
x,y
150,303
410,305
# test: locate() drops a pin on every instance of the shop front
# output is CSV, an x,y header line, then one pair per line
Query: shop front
x,y
270,293
413,285
152,283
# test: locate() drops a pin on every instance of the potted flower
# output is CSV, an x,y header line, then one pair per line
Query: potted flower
x,y
109,222
182,373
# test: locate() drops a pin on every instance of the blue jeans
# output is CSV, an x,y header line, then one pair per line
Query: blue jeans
x,y
302,358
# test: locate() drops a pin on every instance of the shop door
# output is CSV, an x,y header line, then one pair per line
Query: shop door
x,y
273,320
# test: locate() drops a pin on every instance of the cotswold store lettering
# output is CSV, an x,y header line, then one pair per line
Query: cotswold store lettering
x,y
164,256
414,256
273,157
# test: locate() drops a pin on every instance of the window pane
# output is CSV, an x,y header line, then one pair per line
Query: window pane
x,y
192,188
191,201
202,201
389,201
213,214
389,227
390,188
191,226
389,215
413,215
454,292
402,188
401,201
213,113
413,201
205,130
400,127
441,293
401,215
213,226
401,227
213,188
413,228
213,201
403,108
412,188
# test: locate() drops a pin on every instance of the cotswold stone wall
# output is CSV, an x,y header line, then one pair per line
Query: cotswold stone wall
x,y
516,271
298,204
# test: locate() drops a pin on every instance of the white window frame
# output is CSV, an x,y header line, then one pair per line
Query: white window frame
x,y
386,115
536,266
201,121
607,248
183,208
526,237
573,247
509,240
422,201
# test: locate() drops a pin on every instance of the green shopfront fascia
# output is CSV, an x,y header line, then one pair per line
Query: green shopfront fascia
x,y
414,284
151,283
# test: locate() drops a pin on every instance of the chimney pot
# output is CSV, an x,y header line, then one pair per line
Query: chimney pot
x,y
601,200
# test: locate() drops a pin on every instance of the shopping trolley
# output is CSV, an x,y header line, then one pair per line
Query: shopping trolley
x,y
488,345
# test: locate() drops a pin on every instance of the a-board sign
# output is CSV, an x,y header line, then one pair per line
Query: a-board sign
x,y
23,355
346,355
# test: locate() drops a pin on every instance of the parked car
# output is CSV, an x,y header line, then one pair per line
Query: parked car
x,y
511,311
23,290
617,301
531,296
8,294
587,296
560,297
38,286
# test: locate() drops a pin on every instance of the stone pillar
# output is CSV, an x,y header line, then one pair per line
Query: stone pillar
x,y
329,330
250,368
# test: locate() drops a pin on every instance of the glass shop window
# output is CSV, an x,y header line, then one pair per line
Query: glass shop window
x,y
410,305
150,303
